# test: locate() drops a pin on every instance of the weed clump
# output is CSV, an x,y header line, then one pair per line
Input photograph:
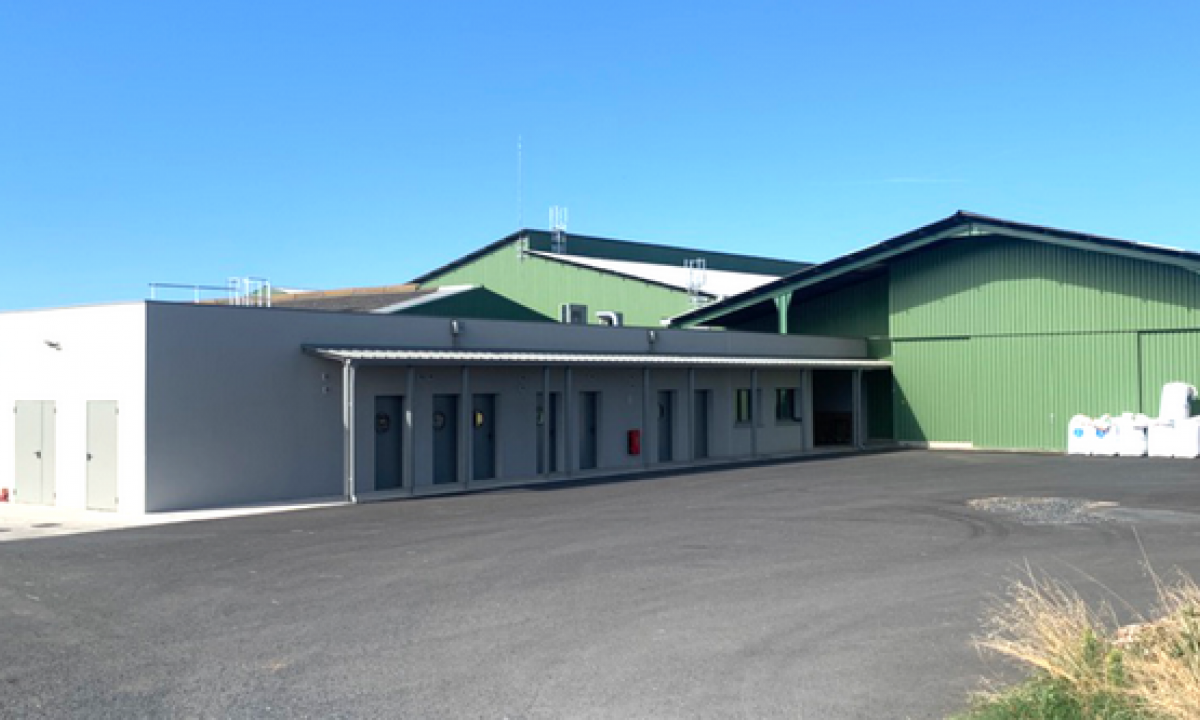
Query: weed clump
x,y
1086,665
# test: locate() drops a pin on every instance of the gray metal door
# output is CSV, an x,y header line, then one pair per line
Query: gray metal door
x,y
700,425
552,418
34,452
389,442
102,492
666,425
445,439
589,427
483,437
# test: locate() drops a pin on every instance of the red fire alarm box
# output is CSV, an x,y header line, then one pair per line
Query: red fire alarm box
x,y
635,442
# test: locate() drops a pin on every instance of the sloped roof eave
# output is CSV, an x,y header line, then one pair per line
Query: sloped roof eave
x,y
960,224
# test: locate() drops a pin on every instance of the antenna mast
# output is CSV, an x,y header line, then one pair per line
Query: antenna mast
x,y
520,185
558,229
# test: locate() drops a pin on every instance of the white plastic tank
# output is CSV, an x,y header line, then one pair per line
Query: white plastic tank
x,y
1079,435
1160,438
1104,440
1131,434
1187,438
1176,402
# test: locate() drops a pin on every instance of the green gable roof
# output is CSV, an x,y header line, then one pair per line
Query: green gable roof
x,y
870,260
610,249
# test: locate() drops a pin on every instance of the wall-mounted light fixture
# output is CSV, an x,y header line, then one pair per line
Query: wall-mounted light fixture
x,y
652,336
455,327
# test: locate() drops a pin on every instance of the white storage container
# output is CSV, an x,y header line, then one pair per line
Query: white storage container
x,y
1187,438
1104,440
1160,439
1176,402
1079,435
1131,434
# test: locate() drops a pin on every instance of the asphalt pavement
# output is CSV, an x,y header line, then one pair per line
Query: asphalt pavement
x,y
830,588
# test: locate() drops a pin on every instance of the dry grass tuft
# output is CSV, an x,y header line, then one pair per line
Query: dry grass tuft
x,y
1162,659
1044,623
1094,666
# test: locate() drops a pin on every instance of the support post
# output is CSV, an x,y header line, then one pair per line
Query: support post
x,y
690,421
568,422
349,437
408,478
754,411
466,418
547,404
648,418
806,390
782,303
857,419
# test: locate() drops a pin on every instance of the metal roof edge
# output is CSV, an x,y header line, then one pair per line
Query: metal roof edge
x,y
609,271
516,235
348,353
941,229
438,293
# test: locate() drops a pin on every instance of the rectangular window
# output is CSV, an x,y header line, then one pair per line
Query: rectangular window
x,y
787,405
572,314
743,407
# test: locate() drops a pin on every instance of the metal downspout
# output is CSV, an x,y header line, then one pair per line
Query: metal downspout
x,y
349,437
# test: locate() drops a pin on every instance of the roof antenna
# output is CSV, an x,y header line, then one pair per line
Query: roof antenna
x,y
697,275
558,229
520,186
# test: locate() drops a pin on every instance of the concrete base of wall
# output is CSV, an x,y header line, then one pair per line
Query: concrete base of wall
x,y
625,475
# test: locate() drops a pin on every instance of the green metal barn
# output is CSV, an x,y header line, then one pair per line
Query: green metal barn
x,y
998,331
543,275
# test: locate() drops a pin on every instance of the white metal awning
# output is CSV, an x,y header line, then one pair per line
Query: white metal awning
x,y
411,356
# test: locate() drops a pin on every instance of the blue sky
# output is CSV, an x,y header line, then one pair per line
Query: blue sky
x,y
363,143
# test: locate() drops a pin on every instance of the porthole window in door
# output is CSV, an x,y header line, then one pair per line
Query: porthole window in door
x,y
439,420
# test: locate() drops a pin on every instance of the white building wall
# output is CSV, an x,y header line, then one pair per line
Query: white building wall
x,y
102,357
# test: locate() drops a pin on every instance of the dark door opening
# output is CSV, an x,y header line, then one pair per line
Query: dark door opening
x,y
666,425
389,442
542,418
445,439
700,424
589,427
483,437
833,407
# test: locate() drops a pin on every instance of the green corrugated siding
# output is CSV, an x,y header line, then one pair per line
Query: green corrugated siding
x,y
988,286
1014,392
877,385
1026,388
859,310
544,285
1168,357
932,381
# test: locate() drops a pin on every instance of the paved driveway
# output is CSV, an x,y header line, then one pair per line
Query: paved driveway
x,y
833,588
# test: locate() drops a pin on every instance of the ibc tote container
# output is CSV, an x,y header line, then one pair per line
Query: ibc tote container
x,y
1104,441
1131,434
1079,435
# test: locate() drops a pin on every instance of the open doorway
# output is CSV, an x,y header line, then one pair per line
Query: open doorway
x,y
833,407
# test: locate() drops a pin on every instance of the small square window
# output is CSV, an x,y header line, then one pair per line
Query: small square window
x,y
573,314
743,407
787,405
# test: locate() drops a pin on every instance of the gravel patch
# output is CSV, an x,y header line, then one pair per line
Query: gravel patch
x,y
1044,510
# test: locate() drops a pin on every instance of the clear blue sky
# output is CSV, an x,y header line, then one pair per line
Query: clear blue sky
x,y
361,143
